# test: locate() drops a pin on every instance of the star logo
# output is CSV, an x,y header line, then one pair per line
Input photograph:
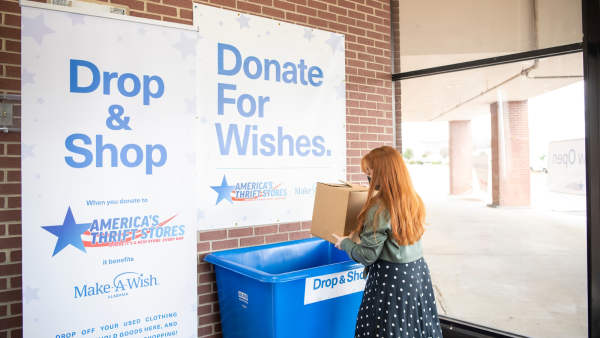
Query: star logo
x,y
76,19
335,41
187,46
30,294
340,91
35,28
200,214
224,191
190,106
243,20
308,34
69,233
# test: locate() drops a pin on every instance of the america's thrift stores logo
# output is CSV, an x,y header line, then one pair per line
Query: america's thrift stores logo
x,y
111,232
249,191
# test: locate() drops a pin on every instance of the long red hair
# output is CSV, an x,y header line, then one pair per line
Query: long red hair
x,y
396,194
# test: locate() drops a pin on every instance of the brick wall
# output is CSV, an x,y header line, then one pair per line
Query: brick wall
x,y
369,124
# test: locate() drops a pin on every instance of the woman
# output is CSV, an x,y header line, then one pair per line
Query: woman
x,y
398,300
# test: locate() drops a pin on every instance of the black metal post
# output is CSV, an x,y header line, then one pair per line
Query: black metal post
x,y
591,68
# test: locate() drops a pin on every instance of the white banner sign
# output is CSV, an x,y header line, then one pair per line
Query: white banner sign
x,y
317,289
271,106
566,166
108,213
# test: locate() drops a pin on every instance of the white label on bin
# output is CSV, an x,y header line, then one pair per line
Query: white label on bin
x,y
334,285
243,297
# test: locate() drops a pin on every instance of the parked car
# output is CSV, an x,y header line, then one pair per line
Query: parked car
x,y
539,165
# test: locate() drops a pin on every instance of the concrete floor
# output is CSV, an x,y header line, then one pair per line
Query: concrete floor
x,y
518,270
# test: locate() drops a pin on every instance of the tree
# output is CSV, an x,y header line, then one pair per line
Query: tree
x,y
408,154
444,151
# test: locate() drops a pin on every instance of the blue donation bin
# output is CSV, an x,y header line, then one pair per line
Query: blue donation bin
x,y
304,288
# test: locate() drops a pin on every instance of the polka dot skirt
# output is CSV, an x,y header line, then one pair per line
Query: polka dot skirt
x,y
398,302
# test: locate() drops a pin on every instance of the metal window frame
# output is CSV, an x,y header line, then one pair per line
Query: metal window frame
x,y
590,46
494,61
591,76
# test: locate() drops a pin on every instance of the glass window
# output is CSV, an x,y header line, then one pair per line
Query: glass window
x,y
435,32
497,154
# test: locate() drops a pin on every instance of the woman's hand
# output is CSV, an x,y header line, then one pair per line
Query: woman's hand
x,y
341,238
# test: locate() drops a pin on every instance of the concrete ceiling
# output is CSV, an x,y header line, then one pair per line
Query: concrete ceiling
x,y
468,94
442,32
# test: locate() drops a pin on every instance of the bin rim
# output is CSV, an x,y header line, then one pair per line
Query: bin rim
x,y
217,259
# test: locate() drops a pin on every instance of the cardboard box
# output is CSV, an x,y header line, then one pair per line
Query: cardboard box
x,y
336,208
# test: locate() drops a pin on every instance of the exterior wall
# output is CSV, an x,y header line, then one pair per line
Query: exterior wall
x,y
510,154
460,150
369,124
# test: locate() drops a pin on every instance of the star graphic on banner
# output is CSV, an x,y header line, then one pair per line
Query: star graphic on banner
x,y
308,34
120,38
30,294
27,77
335,42
340,90
258,35
76,19
35,28
581,185
288,211
191,158
40,100
38,176
69,233
191,106
35,120
224,191
268,33
37,56
200,214
203,120
243,20
221,23
186,45
192,72
36,320
194,307
142,31
26,151
244,218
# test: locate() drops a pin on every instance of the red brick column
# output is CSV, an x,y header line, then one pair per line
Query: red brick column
x,y
510,154
461,164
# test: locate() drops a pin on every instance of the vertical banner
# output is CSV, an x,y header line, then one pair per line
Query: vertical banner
x,y
108,137
566,166
272,112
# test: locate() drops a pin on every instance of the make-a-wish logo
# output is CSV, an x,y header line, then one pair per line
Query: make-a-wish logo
x,y
249,191
307,191
121,285
113,232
